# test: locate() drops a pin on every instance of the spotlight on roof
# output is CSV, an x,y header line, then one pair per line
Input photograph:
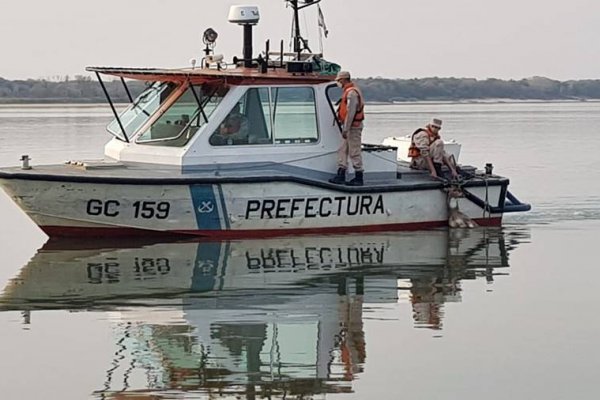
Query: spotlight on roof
x,y
210,36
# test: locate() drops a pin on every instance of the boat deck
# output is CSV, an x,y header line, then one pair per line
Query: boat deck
x,y
98,171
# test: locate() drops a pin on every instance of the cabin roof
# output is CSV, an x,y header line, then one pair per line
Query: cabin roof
x,y
247,76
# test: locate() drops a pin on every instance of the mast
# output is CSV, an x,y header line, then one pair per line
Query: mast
x,y
299,41
297,49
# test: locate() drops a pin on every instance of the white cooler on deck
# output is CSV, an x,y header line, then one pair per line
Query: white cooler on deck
x,y
403,143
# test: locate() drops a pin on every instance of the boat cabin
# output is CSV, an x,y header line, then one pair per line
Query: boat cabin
x,y
276,108
198,118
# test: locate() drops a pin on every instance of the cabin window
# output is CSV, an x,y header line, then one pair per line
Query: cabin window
x,y
294,115
284,115
180,122
142,108
248,122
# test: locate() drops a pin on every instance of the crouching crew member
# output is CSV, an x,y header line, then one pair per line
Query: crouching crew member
x,y
350,116
427,150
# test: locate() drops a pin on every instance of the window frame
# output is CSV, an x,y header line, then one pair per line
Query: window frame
x,y
331,104
273,143
171,100
135,103
230,107
317,120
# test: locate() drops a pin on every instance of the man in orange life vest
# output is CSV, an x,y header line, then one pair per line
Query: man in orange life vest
x,y
427,150
350,116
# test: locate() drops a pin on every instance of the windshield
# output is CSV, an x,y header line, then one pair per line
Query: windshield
x,y
182,120
141,110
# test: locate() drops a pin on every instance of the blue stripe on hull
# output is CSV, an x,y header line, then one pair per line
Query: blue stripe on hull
x,y
205,207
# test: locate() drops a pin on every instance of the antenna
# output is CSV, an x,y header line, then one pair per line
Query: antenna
x,y
299,42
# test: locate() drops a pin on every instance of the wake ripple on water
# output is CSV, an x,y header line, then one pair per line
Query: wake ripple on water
x,y
559,211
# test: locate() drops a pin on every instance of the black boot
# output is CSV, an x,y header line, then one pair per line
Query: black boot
x,y
357,180
340,178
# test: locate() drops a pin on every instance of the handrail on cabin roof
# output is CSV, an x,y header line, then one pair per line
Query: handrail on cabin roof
x,y
200,75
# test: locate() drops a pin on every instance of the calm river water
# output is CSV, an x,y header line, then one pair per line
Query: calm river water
x,y
480,314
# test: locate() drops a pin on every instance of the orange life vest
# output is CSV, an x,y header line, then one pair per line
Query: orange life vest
x,y
343,109
413,150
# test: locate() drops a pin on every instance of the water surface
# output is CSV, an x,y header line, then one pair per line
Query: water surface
x,y
487,313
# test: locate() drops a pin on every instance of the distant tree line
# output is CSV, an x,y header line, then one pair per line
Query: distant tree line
x,y
447,89
80,89
83,89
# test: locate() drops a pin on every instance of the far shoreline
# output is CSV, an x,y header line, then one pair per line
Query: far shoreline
x,y
434,90
485,101
83,104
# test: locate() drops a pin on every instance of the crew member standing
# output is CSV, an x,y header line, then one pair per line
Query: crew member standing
x,y
350,116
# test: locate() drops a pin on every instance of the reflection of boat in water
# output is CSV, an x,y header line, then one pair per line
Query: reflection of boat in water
x,y
258,317
74,274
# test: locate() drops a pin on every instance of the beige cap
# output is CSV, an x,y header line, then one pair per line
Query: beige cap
x,y
436,123
343,75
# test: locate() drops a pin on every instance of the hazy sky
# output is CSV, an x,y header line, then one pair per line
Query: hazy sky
x,y
389,38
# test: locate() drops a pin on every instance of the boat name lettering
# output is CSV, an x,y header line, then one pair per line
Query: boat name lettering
x,y
313,207
141,209
315,257
107,208
150,209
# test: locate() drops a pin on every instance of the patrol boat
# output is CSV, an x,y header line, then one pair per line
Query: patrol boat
x,y
239,150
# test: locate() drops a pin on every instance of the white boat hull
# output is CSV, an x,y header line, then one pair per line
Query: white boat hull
x,y
234,209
